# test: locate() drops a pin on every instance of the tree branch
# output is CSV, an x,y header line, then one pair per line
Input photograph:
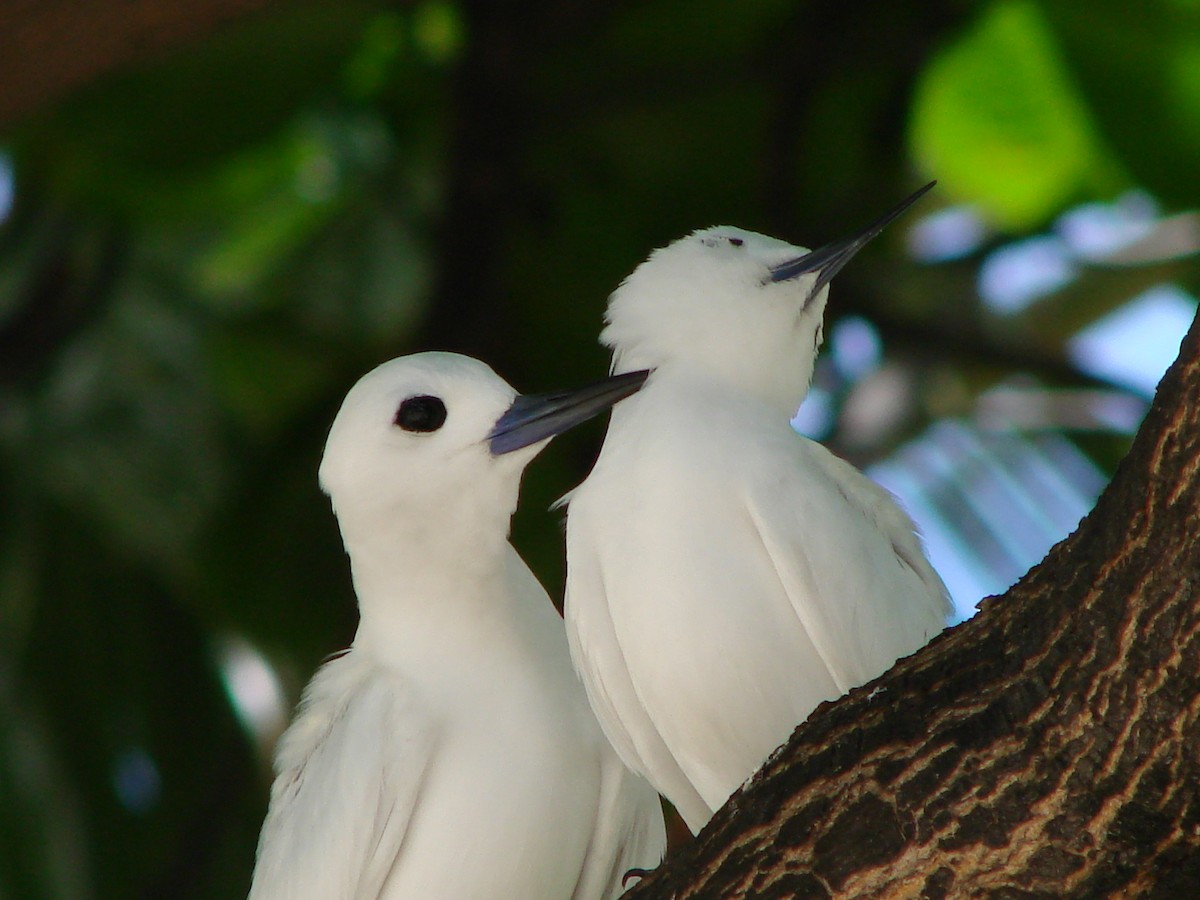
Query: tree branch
x,y
1046,747
53,46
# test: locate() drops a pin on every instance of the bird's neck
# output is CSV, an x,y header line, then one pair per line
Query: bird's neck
x,y
688,385
408,569
775,369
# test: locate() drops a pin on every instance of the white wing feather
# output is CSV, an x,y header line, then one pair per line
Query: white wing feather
x,y
851,563
342,797
598,658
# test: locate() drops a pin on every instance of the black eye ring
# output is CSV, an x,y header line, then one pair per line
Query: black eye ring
x,y
421,414
736,242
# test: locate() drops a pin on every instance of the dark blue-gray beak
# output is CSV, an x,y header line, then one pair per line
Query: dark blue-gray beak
x,y
535,417
827,261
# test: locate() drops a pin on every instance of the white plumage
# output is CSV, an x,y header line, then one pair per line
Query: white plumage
x,y
725,575
450,752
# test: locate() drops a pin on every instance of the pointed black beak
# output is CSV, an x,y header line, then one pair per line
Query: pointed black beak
x,y
827,261
535,417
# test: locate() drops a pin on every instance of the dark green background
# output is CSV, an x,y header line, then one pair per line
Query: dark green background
x,y
204,253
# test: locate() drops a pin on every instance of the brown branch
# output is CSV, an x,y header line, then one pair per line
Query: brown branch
x,y
50,47
965,344
1047,747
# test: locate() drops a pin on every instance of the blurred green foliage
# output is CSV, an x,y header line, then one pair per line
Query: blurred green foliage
x,y
203,254
996,117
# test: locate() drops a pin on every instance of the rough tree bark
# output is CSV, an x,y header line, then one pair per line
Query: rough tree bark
x,y
1048,747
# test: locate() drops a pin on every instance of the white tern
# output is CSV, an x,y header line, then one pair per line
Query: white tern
x,y
725,574
449,753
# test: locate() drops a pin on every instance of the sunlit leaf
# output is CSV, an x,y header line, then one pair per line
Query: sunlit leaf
x,y
998,121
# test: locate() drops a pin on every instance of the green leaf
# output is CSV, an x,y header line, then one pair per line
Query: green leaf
x,y
1140,73
998,121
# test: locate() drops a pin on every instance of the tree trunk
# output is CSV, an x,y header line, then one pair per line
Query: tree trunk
x,y
1048,747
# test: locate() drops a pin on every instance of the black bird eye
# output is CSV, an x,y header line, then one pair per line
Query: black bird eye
x,y
421,414
737,242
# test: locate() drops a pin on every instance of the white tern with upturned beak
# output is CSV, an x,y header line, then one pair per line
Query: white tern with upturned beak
x,y
725,574
450,752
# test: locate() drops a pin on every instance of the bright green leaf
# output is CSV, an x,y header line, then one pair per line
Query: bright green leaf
x,y
998,122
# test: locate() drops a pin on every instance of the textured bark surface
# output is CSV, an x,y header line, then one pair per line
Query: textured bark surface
x,y
48,47
1049,747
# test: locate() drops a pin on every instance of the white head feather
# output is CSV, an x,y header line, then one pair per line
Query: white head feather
x,y
706,303
415,497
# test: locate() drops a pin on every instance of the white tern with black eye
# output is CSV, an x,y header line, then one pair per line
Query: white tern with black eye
x,y
724,574
450,752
